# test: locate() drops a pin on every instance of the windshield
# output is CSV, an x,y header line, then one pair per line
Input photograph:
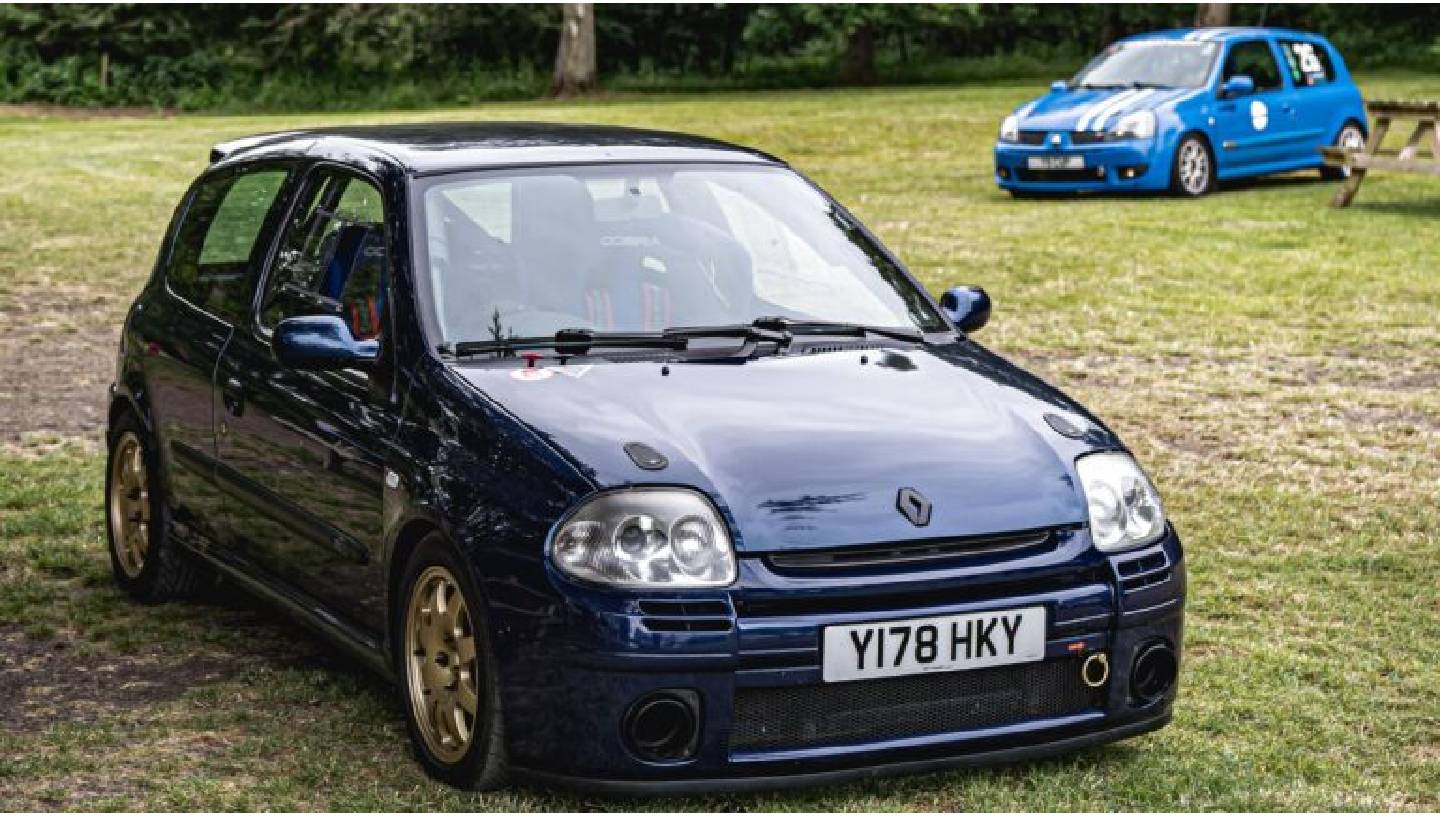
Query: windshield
x,y
633,248
1150,63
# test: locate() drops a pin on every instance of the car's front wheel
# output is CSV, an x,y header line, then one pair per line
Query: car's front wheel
x,y
447,670
146,560
1193,172
1350,137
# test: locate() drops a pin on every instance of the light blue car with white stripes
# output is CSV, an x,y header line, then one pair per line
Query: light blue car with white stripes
x,y
1182,110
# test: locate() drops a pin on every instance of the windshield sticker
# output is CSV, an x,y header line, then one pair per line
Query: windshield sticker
x,y
532,374
1259,115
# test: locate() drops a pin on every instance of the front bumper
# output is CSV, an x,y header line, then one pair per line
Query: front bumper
x,y
1135,164
568,685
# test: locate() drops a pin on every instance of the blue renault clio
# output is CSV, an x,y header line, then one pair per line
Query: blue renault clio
x,y
634,460
1181,110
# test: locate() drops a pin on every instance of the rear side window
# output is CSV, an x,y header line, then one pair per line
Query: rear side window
x,y
1255,60
210,265
1309,63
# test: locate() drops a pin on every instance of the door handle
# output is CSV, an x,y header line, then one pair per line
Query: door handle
x,y
1287,108
232,393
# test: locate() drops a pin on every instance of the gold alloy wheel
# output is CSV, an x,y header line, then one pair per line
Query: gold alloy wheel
x,y
441,670
129,504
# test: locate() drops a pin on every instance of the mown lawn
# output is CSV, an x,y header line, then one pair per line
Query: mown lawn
x,y
1275,364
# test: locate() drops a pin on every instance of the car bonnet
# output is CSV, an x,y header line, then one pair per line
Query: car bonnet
x,y
812,450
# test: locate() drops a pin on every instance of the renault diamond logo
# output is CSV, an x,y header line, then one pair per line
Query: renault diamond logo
x,y
1054,138
913,506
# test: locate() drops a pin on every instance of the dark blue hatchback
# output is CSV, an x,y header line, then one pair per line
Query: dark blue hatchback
x,y
634,459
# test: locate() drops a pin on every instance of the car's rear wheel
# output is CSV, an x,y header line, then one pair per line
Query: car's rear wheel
x,y
1193,172
448,676
146,561
1350,137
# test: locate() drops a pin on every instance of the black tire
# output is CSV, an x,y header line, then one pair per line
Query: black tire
x,y
1192,171
484,765
167,570
1350,135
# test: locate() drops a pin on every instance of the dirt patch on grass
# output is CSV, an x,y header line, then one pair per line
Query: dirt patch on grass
x,y
59,345
53,680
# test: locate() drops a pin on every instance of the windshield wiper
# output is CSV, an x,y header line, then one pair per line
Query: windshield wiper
x,y
794,327
580,341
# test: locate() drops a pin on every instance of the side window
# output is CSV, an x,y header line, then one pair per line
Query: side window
x,y
1255,60
210,265
332,256
1309,63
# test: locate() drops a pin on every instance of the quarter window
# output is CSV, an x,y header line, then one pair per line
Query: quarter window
x,y
211,263
1309,63
1255,60
332,256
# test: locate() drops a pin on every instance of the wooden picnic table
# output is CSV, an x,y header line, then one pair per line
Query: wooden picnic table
x,y
1406,159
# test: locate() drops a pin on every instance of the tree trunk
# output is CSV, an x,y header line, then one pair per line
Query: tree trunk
x,y
576,73
857,66
1209,15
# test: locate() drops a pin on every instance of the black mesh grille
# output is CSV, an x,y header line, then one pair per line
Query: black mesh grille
x,y
891,708
1031,137
1081,174
1081,137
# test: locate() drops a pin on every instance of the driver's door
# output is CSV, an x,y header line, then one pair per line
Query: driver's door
x,y
302,453
1258,128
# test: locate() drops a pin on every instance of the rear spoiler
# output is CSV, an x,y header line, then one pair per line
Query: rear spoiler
x,y
226,149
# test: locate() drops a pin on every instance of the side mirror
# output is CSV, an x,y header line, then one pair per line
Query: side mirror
x,y
320,343
1059,86
968,307
1238,85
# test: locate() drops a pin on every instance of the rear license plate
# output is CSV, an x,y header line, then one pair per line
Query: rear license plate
x,y
1055,162
946,643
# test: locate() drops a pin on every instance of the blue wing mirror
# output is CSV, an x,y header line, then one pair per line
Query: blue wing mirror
x,y
968,307
1238,85
321,342
1059,86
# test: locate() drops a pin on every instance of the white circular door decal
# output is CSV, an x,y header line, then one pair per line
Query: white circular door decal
x,y
1259,114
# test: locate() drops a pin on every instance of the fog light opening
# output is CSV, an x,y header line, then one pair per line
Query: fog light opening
x,y
1095,670
1004,172
663,726
1153,673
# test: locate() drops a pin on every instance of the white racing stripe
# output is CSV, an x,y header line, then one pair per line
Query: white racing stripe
x,y
1119,102
1099,123
1101,106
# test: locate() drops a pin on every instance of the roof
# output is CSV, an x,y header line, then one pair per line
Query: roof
x,y
1220,34
443,147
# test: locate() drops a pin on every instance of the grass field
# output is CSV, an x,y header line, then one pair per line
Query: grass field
x,y
1275,364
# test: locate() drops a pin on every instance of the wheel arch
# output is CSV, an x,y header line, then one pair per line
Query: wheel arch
x,y
410,534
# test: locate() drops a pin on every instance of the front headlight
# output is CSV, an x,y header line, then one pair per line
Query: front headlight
x,y
646,537
1010,129
1140,125
1125,510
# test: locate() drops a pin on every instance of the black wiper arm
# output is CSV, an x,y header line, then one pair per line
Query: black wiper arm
x,y
580,341
794,327
565,341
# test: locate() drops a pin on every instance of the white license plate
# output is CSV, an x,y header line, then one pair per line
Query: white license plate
x,y
1055,162
862,651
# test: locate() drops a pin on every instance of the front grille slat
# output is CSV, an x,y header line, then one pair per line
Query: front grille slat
x,y
908,553
1143,571
787,717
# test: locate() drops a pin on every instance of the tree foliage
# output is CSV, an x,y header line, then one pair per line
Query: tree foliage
x,y
326,56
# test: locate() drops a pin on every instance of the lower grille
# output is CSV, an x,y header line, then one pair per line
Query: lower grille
x,y
1080,174
919,705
